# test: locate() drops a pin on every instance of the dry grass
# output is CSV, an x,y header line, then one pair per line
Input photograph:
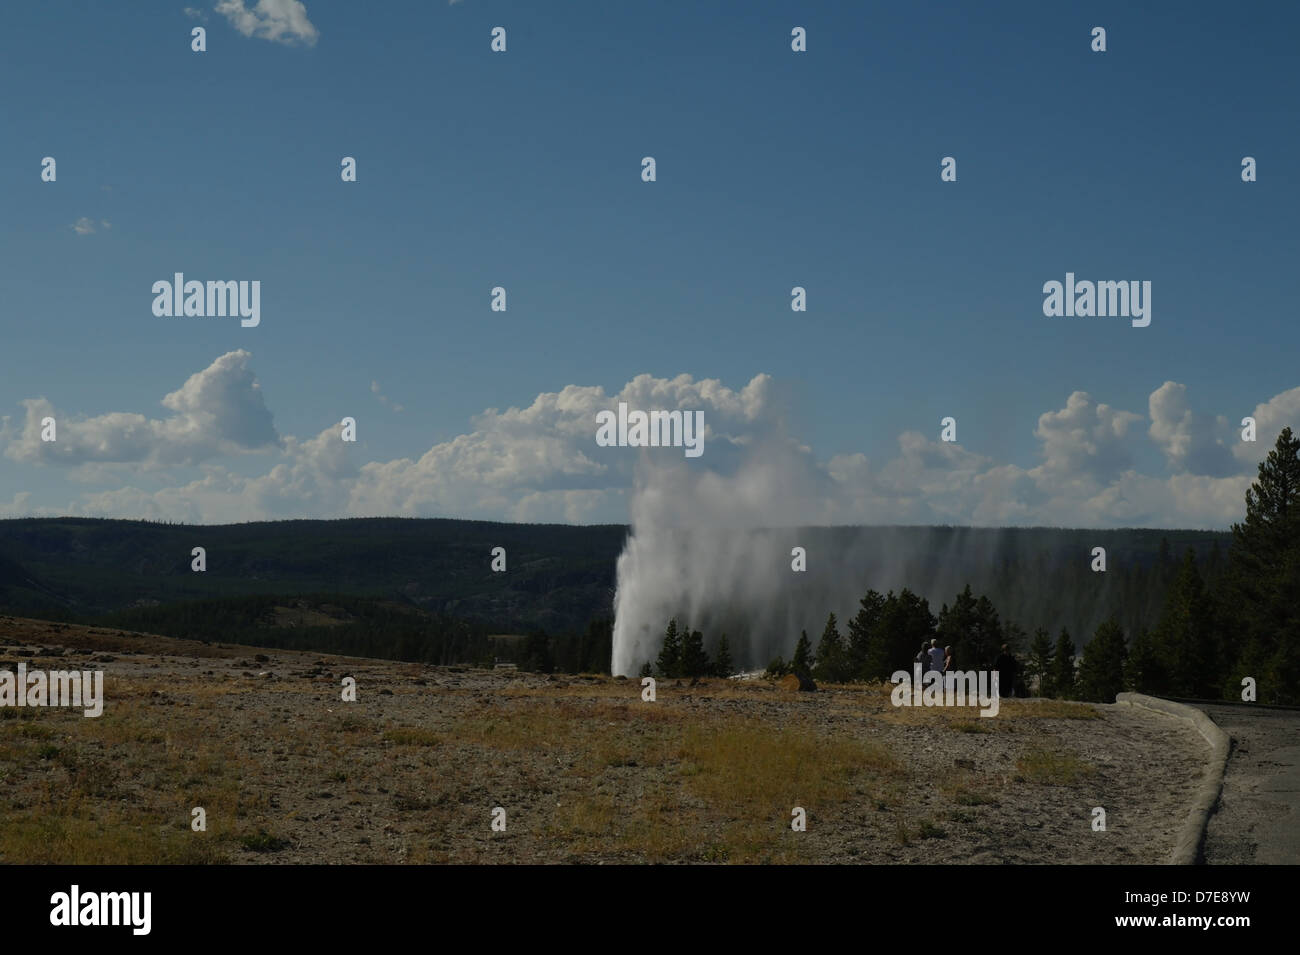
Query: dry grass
x,y
586,770
1051,768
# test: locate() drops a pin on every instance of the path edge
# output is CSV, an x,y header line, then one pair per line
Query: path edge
x,y
1187,849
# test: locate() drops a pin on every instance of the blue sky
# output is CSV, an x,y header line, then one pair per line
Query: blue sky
x,y
522,169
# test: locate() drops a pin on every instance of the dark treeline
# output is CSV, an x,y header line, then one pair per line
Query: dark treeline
x,y
362,626
1221,630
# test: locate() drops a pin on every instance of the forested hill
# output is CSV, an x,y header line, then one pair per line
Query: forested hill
x,y
557,576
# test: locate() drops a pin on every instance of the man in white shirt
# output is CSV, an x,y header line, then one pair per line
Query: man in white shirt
x,y
936,656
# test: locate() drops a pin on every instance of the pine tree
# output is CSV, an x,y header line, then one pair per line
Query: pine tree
x,y
803,661
646,669
1040,660
830,654
957,628
670,656
861,633
903,622
1101,674
1184,640
694,660
1062,676
722,664
1144,671
1262,581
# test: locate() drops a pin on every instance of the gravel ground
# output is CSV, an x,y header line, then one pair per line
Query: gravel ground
x,y
585,770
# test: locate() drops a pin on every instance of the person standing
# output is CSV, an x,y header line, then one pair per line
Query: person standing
x,y
936,656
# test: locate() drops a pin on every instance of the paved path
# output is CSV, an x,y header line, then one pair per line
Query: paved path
x,y
1258,817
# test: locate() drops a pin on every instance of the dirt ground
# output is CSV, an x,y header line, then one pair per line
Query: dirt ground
x,y
576,769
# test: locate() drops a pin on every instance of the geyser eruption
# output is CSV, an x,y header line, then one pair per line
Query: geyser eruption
x,y
713,549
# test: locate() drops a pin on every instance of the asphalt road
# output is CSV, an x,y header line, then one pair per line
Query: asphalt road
x,y
1258,816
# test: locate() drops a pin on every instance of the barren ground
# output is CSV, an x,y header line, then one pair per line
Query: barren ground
x,y
585,771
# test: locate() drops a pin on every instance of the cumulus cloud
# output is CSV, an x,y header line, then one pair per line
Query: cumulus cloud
x,y
281,21
540,462
1271,417
1191,442
1086,441
218,411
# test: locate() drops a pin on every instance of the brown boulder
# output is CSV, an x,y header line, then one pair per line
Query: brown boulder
x,y
793,682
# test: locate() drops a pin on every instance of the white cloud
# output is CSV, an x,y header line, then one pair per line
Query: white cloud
x,y
384,399
83,226
1085,441
540,462
1191,442
282,21
218,411
1280,411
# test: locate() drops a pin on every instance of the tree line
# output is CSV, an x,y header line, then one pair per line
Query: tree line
x,y
1215,633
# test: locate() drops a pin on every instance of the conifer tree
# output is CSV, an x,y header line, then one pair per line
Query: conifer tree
x,y
830,654
722,663
1143,670
1262,581
1062,677
803,661
861,630
1101,674
670,655
1040,660
694,659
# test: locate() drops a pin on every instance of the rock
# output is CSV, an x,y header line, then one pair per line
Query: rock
x,y
385,692
104,658
793,681
262,658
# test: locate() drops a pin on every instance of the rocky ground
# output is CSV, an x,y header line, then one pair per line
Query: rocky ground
x,y
578,769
